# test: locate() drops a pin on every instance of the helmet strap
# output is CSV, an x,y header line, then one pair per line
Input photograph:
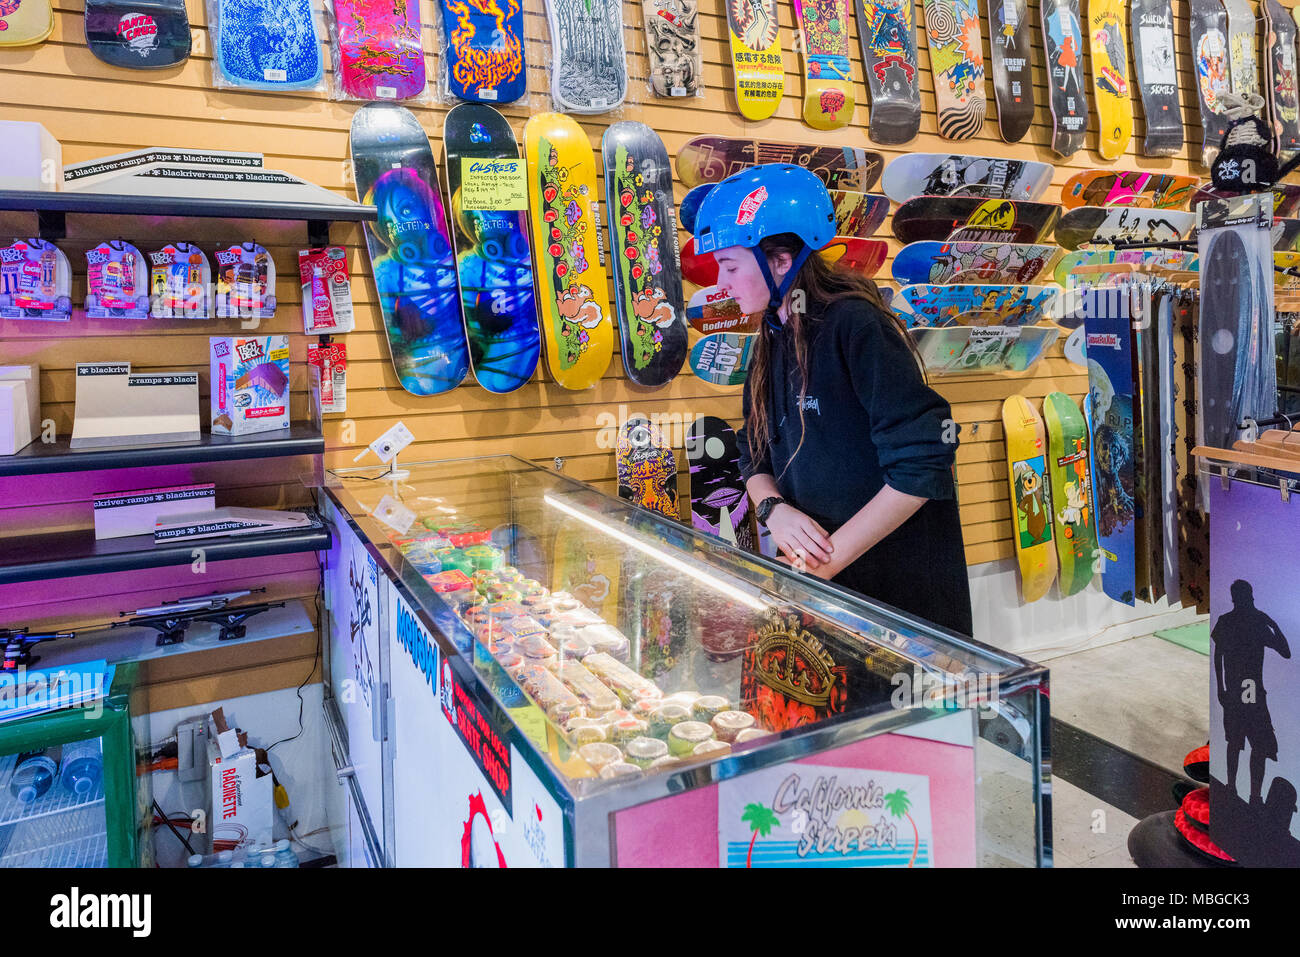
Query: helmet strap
x,y
777,293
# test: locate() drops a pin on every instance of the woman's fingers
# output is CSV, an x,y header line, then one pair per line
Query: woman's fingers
x,y
816,549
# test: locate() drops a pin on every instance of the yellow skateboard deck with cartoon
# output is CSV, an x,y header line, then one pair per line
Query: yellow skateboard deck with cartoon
x,y
828,79
1031,496
25,22
572,289
1107,44
756,56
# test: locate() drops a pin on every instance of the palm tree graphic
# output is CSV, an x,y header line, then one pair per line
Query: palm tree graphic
x,y
898,804
761,819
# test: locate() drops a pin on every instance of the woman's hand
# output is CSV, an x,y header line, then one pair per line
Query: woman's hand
x,y
800,537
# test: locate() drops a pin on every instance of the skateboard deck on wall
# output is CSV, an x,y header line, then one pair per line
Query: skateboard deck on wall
x,y
887,35
756,64
955,42
148,35
379,52
25,22
485,57
1074,519
942,174
1243,62
588,60
977,305
941,262
411,256
672,32
719,503
1098,187
494,264
828,80
864,256
268,44
570,274
1152,24
973,219
1285,234
1282,106
711,159
722,358
957,350
643,241
1063,40
1031,497
1172,259
647,468
1013,87
1209,30
1117,225
1107,32
712,310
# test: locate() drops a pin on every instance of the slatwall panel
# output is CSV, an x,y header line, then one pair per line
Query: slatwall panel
x,y
95,110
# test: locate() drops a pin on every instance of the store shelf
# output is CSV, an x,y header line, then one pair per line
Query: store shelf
x,y
73,554
90,850
74,201
56,800
42,458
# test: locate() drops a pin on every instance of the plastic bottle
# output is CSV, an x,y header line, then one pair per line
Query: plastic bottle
x,y
34,773
224,859
194,861
82,766
284,855
268,857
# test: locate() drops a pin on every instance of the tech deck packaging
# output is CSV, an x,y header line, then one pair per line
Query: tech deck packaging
x,y
326,291
250,383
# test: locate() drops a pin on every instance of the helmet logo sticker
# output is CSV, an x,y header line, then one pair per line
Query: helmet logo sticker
x,y
749,206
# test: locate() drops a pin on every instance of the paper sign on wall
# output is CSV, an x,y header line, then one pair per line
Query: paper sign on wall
x,y
494,185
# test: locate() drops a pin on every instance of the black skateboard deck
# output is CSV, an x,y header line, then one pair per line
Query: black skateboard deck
x,y
1063,40
1282,106
887,33
493,257
148,35
643,241
647,468
1209,29
1152,25
1013,88
972,219
1118,225
719,503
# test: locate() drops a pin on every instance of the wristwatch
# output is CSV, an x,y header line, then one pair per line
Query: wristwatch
x,y
764,510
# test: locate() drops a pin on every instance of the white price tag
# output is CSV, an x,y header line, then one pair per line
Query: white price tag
x,y
386,92
275,76
487,94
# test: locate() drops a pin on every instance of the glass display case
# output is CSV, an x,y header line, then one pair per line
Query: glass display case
x,y
557,676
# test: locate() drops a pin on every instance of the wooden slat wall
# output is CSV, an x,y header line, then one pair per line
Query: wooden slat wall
x,y
96,110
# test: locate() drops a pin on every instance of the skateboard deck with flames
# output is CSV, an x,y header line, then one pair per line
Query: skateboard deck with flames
x,y
756,63
1074,517
1031,497
486,59
887,35
828,80
1107,38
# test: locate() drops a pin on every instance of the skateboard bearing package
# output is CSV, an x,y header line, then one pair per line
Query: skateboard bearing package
x,y
249,384
326,291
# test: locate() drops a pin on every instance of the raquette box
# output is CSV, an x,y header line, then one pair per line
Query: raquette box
x,y
250,384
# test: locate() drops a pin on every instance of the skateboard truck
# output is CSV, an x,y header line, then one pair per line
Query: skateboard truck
x,y
171,619
19,642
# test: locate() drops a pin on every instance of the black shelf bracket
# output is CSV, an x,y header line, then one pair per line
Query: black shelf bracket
x,y
51,224
318,232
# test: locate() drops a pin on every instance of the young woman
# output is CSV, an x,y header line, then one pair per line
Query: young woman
x,y
847,453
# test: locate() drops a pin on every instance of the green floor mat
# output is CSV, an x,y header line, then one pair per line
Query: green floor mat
x,y
1193,637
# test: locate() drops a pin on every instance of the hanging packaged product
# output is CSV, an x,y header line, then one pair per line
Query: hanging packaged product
x,y
116,282
330,362
179,279
35,281
326,291
250,383
245,282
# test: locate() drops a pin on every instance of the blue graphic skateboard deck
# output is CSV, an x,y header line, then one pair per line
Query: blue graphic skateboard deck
x,y
977,305
268,44
722,358
940,262
485,58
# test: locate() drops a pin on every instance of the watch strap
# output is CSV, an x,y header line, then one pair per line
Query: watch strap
x,y
764,510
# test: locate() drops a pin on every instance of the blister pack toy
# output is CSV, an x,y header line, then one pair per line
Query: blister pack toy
x,y
35,281
179,280
117,282
326,291
245,278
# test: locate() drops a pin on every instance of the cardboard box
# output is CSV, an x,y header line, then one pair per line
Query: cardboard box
x,y
119,408
33,158
20,407
242,812
119,514
250,384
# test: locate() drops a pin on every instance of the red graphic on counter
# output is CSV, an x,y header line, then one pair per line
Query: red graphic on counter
x,y
478,841
485,743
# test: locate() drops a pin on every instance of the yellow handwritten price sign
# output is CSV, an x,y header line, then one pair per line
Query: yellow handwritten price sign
x,y
494,185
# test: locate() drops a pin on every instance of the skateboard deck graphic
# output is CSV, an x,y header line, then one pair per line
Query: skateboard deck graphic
x,y
722,358
1066,93
711,159
940,262
1097,187
268,44
485,56
1172,259
977,305
1282,107
712,310
973,219
864,256
410,249
148,35
1013,86
1074,519
1243,63
1117,225
647,468
1107,30
1209,29
941,174
493,263
827,80
756,63
1152,23
25,22
589,64
643,241
1285,234
379,54
887,35
673,43
952,350
719,504
588,567
570,274
1031,497
953,36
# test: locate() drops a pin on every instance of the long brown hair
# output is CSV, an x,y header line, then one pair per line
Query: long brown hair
x,y
818,284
